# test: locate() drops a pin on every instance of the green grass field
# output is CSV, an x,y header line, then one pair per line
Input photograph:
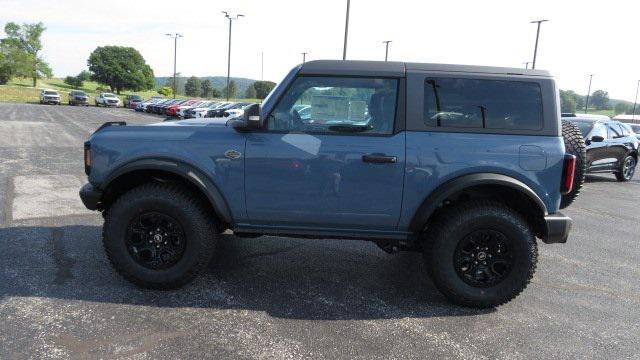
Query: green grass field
x,y
20,90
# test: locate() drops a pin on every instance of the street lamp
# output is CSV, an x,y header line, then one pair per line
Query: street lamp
x,y
304,57
633,116
386,49
175,55
231,18
586,103
346,32
535,50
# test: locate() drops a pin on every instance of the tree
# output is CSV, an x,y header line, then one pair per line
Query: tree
x,y
567,101
232,91
121,68
263,88
84,75
251,92
74,81
22,46
165,91
192,86
600,99
6,70
622,108
216,93
205,88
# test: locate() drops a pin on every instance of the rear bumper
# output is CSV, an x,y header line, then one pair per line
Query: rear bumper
x,y
90,197
558,227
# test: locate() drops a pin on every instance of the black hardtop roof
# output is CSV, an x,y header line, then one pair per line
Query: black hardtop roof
x,y
399,69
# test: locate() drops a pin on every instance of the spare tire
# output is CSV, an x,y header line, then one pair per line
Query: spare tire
x,y
574,145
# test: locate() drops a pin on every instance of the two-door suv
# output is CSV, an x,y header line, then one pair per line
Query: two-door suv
x,y
465,164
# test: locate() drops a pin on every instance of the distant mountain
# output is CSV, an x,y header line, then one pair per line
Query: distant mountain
x,y
218,82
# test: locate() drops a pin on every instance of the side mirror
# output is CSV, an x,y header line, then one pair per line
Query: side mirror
x,y
251,119
597,138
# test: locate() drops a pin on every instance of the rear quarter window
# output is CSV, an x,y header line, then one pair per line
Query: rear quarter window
x,y
461,103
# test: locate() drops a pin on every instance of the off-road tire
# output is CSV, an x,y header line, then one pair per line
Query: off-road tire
x,y
620,173
574,144
453,225
198,225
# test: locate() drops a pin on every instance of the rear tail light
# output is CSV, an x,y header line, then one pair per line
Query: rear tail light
x,y
87,158
568,173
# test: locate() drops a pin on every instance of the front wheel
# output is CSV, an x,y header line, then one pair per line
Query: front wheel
x,y
480,254
159,236
627,169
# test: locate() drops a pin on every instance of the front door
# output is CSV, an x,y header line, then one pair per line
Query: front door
x,y
329,157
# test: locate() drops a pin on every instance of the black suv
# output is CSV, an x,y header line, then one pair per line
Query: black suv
x,y
611,146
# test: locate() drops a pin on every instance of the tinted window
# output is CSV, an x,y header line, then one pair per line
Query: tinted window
x,y
489,104
635,128
614,131
334,105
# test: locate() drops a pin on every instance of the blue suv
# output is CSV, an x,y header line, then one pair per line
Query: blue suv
x,y
465,164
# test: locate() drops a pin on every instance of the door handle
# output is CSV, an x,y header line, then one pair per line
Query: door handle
x,y
379,159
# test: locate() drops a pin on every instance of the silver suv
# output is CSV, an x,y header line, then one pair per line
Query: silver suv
x,y
49,97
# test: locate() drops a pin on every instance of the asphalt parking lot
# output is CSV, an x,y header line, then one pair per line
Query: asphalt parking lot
x,y
285,298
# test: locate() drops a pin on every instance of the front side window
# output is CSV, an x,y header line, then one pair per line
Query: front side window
x,y
482,104
599,130
337,105
614,131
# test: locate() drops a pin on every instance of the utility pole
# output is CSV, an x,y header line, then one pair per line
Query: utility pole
x,y
346,32
535,50
304,57
175,56
586,103
231,18
526,64
633,116
386,49
262,66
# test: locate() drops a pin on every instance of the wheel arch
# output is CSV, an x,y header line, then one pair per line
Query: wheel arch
x,y
500,187
141,171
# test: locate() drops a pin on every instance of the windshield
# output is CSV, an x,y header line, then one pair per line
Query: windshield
x,y
135,97
50,93
584,126
79,93
108,95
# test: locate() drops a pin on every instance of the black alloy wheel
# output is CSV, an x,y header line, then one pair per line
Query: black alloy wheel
x,y
155,240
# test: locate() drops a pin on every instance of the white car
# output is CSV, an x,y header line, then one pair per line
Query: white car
x,y
202,112
182,109
49,97
107,99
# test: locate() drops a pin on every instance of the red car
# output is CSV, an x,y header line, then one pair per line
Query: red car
x,y
173,109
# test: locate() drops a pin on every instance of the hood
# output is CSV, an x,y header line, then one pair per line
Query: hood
x,y
194,122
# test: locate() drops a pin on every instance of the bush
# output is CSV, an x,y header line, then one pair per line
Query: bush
x,y
73,81
165,91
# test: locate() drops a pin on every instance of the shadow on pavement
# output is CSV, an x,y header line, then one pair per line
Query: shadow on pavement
x,y
288,278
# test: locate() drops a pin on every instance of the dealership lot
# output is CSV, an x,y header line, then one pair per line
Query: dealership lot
x,y
276,297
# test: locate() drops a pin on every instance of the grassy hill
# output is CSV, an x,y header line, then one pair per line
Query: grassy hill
x,y
218,82
20,90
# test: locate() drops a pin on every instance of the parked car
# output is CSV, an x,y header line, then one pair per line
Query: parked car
x,y
107,99
472,191
131,101
152,107
220,112
142,106
78,97
610,146
202,112
173,109
49,97
182,110
635,129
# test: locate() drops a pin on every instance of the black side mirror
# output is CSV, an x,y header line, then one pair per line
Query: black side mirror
x,y
597,138
251,119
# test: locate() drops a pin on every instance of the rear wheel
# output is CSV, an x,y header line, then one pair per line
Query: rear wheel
x,y
480,254
159,236
574,145
627,169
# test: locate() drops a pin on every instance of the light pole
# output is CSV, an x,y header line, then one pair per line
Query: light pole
x,y
175,56
304,57
633,116
386,49
586,103
346,32
262,66
231,18
526,64
535,50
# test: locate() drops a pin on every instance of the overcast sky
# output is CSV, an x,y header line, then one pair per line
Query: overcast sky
x,y
582,37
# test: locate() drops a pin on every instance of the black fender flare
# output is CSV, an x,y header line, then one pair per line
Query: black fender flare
x,y
432,202
186,171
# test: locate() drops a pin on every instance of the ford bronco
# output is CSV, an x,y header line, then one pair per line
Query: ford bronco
x,y
466,164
